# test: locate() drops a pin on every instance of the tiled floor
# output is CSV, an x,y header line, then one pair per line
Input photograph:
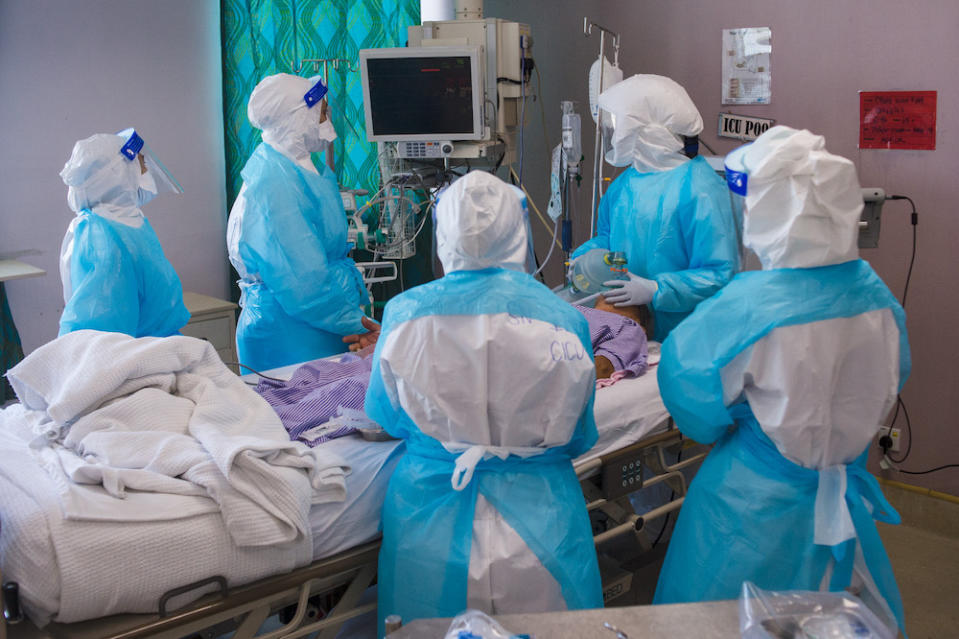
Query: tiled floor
x,y
927,569
926,565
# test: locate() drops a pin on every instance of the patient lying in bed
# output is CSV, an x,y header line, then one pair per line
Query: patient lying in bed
x,y
311,402
619,341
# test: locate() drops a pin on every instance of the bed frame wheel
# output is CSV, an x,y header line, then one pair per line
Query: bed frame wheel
x,y
12,612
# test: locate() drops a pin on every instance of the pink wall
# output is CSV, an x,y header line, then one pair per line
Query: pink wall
x,y
824,52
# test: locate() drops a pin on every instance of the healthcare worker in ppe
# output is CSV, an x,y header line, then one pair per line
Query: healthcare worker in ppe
x,y
670,215
790,372
300,292
489,378
115,276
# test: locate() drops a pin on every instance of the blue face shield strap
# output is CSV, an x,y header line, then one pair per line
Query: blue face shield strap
x,y
736,181
315,94
132,146
521,194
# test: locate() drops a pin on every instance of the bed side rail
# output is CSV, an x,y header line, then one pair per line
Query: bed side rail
x,y
608,481
253,602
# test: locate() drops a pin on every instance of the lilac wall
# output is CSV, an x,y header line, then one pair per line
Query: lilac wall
x,y
824,52
71,69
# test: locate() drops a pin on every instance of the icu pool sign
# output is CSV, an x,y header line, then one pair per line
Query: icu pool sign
x,y
742,127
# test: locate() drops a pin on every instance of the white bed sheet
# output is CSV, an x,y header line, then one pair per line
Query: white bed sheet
x,y
625,413
126,567
74,570
339,526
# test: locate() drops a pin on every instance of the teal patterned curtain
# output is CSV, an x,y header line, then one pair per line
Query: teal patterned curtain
x,y
262,37
11,352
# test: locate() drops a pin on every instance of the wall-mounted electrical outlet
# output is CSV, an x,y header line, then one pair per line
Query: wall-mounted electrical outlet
x,y
894,435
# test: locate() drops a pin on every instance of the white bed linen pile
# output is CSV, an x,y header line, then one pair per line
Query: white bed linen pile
x,y
127,416
71,570
165,417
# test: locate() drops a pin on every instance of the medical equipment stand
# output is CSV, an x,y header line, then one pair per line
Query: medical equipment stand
x,y
569,169
598,146
351,67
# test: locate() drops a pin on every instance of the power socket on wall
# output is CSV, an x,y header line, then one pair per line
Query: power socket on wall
x,y
894,435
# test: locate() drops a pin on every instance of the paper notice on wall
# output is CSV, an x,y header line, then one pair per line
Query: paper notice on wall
x,y
897,120
746,75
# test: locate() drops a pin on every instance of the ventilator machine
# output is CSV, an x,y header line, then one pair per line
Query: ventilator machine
x,y
456,92
449,102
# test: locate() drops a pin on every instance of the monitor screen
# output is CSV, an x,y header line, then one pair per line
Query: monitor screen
x,y
421,96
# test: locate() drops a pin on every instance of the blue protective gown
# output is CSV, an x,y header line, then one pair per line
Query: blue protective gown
x,y
121,281
676,227
428,526
749,514
301,293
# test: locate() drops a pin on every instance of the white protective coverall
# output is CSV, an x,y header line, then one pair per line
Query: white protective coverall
x,y
791,371
287,234
115,275
489,378
670,215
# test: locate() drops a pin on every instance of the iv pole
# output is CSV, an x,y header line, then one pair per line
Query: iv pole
x,y
598,146
316,62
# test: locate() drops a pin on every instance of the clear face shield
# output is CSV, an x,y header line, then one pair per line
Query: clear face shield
x,y
619,133
737,180
607,125
317,101
154,177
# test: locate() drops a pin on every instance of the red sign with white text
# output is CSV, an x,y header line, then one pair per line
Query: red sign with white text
x,y
897,120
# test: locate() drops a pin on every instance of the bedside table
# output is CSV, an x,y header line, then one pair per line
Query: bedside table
x,y
214,320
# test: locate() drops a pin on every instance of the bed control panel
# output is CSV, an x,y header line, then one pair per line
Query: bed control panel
x,y
622,473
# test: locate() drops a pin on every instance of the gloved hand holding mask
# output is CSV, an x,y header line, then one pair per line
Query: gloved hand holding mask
x,y
635,291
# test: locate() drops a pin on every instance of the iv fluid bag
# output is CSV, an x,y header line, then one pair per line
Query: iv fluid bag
x,y
611,75
572,135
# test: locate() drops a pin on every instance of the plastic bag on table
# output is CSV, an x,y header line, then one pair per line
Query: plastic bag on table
x,y
474,624
802,614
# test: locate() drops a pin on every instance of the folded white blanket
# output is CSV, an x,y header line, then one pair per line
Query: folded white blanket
x,y
89,500
164,415
71,570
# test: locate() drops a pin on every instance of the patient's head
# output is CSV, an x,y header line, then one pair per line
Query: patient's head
x,y
639,314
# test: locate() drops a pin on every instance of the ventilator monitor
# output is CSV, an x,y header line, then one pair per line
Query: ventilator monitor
x,y
423,93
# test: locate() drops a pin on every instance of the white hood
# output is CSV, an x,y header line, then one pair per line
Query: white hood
x,y
650,114
103,180
278,107
480,224
802,203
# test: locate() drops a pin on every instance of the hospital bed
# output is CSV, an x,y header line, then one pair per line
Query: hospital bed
x,y
167,570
